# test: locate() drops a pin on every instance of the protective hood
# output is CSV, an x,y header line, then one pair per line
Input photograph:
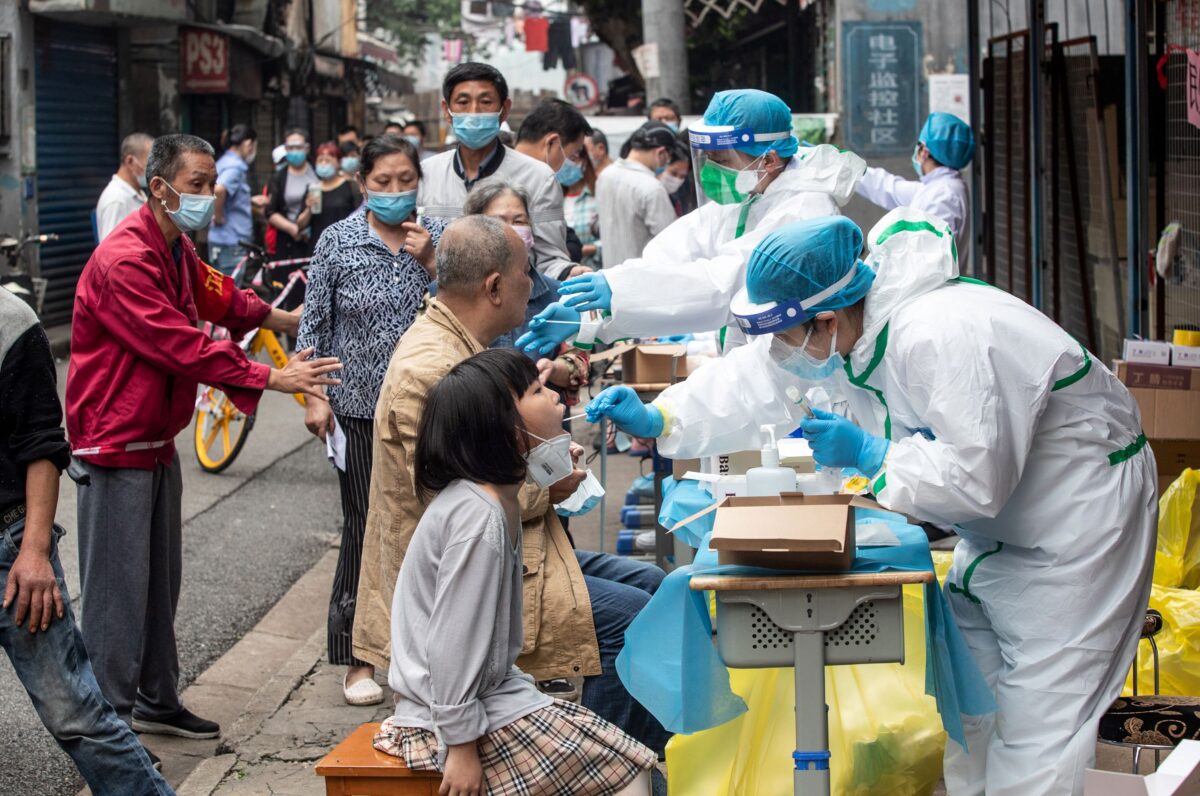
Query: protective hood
x,y
912,253
822,169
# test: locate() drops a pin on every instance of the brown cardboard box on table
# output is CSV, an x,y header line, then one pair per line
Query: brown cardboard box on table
x,y
659,365
1169,400
789,531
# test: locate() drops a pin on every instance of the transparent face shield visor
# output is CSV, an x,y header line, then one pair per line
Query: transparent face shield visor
x,y
722,172
778,316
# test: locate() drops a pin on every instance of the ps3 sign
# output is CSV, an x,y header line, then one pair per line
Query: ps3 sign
x,y
204,57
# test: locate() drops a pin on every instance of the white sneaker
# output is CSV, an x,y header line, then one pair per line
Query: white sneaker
x,y
365,692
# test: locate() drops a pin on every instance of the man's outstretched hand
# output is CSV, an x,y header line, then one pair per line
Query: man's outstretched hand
x,y
305,375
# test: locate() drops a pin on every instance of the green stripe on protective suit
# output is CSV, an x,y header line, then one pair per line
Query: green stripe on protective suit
x,y
691,692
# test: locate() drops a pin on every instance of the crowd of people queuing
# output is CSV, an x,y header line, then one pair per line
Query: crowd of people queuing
x,y
422,338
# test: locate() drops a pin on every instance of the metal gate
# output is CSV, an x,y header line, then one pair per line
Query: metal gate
x,y
77,148
1179,162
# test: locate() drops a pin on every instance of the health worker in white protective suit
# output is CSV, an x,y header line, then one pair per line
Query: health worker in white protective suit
x,y
944,148
969,408
753,178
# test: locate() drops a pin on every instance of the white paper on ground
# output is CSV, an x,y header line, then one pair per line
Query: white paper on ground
x,y
335,446
1179,775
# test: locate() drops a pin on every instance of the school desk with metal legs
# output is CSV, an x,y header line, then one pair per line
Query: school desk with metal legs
x,y
810,622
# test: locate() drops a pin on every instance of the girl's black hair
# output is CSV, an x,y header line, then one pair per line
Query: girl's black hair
x,y
470,427
384,145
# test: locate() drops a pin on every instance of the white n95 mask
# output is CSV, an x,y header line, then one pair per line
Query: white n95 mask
x,y
549,462
583,499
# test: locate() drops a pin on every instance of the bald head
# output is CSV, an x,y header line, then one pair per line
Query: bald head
x,y
471,249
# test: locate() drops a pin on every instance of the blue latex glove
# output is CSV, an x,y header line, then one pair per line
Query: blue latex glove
x,y
545,338
836,442
587,292
622,406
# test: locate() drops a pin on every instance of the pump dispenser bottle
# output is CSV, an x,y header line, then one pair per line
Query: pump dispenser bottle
x,y
770,479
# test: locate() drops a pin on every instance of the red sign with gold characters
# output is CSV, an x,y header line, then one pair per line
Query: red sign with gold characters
x,y
204,62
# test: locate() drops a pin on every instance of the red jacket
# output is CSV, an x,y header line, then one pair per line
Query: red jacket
x,y
137,355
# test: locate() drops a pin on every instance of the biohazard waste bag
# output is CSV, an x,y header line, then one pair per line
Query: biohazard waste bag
x,y
1175,595
885,736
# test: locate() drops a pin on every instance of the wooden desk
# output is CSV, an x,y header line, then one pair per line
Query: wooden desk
x,y
810,622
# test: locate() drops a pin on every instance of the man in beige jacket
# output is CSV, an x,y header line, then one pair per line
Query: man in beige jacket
x,y
483,290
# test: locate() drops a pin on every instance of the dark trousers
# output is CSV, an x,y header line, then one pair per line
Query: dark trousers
x,y
619,588
130,566
355,483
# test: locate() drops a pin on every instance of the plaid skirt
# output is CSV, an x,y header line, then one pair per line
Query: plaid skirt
x,y
560,750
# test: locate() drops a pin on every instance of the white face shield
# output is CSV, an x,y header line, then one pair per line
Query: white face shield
x,y
725,173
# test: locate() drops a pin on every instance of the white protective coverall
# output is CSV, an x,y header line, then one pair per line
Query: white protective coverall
x,y
689,272
1004,426
942,193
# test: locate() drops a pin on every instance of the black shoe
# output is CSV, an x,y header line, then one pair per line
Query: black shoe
x,y
185,724
559,688
154,761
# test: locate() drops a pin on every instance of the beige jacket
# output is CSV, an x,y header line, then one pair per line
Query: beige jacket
x,y
560,638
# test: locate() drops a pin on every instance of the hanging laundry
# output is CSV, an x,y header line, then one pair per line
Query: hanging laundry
x,y
559,40
580,31
536,35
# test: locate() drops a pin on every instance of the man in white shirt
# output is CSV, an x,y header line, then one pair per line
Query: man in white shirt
x,y
945,147
633,204
125,192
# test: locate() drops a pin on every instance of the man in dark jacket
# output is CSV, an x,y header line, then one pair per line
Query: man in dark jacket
x,y
37,628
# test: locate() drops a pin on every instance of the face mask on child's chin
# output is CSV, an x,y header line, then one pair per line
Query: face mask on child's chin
x,y
550,461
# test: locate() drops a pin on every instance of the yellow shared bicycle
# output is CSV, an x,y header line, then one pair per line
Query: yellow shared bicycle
x,y
221,428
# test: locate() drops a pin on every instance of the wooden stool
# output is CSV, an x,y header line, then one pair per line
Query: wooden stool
x,y
356,768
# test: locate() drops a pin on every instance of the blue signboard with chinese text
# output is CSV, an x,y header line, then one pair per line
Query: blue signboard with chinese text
x,y
881,64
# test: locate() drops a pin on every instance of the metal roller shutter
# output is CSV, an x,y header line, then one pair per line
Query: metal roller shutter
x,y
77,147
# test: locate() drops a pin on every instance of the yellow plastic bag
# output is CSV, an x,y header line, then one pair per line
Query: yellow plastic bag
x,y
1176,576
885,736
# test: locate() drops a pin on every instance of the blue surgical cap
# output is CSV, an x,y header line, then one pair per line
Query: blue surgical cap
x,y
949,139
804,258
758,110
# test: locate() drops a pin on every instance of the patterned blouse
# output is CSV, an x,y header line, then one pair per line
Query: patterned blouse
x,y
361,297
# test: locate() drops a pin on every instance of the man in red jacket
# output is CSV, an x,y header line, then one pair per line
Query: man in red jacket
x,y
136,359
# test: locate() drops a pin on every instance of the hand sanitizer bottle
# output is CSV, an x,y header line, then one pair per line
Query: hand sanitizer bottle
x,y
770,479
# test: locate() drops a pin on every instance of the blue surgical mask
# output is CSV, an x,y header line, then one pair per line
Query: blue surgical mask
x,y
475,130
569,172
142,180
800,363
392,208
195,210
350,165
325,171
415,140
585,498
916,163
673,125
295,158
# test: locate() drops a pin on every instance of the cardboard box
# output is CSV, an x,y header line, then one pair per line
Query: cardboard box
x,y
1185,356
791,531
1173,456
1150,352
654,364
1179,775
1136,375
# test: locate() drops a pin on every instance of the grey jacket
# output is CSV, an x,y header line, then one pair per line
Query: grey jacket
x,y
443,191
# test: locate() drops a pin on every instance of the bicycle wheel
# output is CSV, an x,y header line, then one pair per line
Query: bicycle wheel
x,y
221,430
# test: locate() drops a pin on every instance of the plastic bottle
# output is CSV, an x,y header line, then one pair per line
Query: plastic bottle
x,y
770,479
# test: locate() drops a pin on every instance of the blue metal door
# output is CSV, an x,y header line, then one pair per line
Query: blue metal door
x,y
76,81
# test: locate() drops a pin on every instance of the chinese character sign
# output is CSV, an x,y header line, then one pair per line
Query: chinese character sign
x,y
1193,87
882,63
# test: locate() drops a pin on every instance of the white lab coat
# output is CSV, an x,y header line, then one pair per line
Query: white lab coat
x,y
942,193
1004,425
687,274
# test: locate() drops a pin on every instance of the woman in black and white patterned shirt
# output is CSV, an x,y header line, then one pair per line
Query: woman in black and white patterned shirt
x,y
368,278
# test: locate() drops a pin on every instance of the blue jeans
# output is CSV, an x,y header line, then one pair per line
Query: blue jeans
x,y
54,668
619,588
226,258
